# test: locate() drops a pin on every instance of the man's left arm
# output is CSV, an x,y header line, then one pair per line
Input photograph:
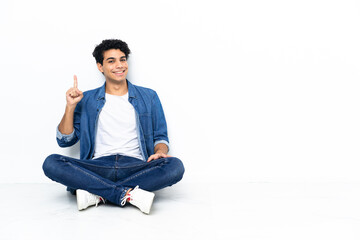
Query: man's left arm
x,y
160,131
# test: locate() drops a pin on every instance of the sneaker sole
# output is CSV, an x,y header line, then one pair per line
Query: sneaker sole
x,y
79,199
148,208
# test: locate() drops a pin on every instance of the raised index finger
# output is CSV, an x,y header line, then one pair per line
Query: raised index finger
x,y
75,82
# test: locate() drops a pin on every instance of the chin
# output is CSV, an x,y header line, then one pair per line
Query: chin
x,y
118,80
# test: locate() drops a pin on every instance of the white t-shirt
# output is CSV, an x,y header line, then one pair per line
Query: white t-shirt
x,y
116,133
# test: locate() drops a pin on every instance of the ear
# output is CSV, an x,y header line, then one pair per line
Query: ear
x,y
100,67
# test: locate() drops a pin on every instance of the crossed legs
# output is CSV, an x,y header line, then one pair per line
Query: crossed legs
x,y
111,177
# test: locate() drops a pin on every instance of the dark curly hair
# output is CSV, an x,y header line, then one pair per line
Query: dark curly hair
x,y
107,45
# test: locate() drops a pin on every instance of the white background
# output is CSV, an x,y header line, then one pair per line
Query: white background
x,y
253,91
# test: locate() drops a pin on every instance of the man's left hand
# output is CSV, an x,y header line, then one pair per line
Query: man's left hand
x,y
157,156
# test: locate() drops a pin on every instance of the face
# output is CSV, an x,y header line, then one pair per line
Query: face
x,y
114,67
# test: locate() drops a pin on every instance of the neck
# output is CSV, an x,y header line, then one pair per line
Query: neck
x,y
117,88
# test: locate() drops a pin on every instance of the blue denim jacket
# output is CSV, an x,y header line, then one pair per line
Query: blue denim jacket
x,y
150,121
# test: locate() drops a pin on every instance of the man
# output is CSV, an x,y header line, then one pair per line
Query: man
x,y
123,139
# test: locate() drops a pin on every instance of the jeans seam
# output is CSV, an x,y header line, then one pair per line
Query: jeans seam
x,y
139,174
92,176
115,167
88,164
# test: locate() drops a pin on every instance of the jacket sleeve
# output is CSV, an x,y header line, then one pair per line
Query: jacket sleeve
x,y
159,122
67,140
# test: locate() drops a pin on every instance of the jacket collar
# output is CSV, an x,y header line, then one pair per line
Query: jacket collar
x,y
131,90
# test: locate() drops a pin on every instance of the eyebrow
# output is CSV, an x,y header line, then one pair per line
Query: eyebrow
x,y
112,58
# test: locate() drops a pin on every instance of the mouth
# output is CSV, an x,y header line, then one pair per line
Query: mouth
x,y
119,73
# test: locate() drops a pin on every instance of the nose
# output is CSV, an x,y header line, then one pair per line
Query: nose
x,y
119,64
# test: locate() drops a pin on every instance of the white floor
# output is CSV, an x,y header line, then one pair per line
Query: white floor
x,y
188,211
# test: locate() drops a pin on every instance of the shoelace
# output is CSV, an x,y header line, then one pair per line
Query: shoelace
x,y
103,200
94,198
127,196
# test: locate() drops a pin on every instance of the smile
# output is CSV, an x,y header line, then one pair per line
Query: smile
x,y
120,72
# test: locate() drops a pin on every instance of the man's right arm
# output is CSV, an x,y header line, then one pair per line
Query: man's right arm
x,y
66,126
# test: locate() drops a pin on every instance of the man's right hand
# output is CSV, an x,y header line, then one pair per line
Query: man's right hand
x,y
74,95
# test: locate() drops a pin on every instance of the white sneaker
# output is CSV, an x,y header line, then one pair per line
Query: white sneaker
x,y
86,199
139,198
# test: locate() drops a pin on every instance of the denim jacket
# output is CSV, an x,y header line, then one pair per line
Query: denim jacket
x,y
150,121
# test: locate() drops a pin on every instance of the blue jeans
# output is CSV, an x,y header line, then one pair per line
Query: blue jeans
x,y
112,176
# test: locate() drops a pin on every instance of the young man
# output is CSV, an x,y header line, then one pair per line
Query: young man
x,y
123,139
